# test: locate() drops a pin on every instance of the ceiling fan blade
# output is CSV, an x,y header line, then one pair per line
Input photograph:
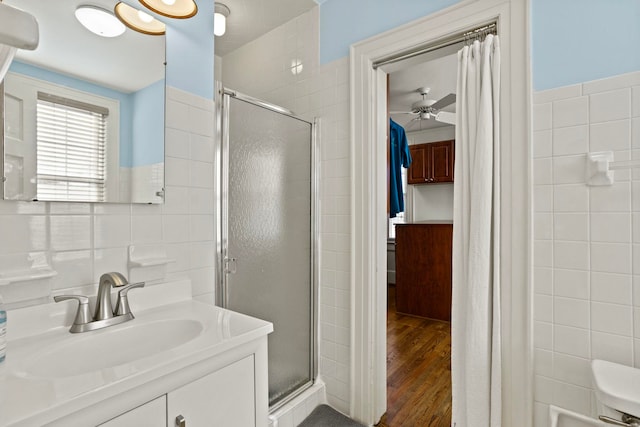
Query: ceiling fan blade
x,y
402,112
446,117
443,102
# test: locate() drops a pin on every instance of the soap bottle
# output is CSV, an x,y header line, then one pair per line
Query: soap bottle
x,y
3,331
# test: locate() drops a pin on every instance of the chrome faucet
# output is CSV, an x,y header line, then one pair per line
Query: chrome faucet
x,y
104,313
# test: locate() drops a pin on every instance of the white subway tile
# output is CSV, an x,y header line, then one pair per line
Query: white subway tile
x,y
62,208
176,143
177,115
636,290
543,253
556,94
611,288
70,232
201,228
568,169
571,255
543,335
543,198
543,389
571,140
571,283
610,136
541,415
636,352
543,280
543,226
202,254
112,209
571,226
201,174
611,257
180,252
620,81
176,171
570,312
614,198
542,144
146,229
202,148
112,231
573,370
542,116
573,341
543,308
611,227
203,280
543,362
200,121
571,112
23,233
613,348
572,397
612,318
176,228
571,198
612,105
201,201
635,133
74,268
176,200
10,207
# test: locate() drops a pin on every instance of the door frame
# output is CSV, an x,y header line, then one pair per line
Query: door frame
x,y
368,204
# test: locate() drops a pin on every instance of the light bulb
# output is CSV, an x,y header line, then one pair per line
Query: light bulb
x,y
219,24
99,21
145,17
169,2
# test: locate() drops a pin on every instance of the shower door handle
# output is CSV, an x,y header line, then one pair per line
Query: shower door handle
x,y
230,265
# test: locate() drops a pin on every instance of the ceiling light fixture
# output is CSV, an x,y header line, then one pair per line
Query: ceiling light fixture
x,y
180,9
138,20
99,21
220,19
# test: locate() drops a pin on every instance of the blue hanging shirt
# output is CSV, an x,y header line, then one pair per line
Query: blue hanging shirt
x,y
400,157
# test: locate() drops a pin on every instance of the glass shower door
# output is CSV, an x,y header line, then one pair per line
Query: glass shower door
x,y
267,247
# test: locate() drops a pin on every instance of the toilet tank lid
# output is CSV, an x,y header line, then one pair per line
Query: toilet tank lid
x,y
617,386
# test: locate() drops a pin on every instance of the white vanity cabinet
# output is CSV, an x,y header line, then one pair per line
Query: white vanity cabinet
x,y
223,398
151,414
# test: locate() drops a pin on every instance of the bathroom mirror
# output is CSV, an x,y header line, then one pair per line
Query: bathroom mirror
x,y
84,114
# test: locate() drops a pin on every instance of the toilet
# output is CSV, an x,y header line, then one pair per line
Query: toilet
x,y
617,389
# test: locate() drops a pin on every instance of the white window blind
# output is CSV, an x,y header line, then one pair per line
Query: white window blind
x,y
71,144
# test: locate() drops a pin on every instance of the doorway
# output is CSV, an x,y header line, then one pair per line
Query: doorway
x,y
421,100
368,389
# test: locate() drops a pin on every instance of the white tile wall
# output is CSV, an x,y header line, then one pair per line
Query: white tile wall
x,y
315,92
587,260
83,240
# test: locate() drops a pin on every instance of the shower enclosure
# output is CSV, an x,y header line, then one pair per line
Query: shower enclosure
x,y
266,232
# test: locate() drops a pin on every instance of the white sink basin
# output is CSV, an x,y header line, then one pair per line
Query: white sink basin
x,y
118,345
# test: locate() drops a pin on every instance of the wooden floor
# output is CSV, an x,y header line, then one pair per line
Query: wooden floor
x,y
418,371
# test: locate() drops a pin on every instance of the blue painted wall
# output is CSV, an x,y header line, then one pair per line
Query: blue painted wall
x,y
574,41
189,50
148,131
126,100
344,22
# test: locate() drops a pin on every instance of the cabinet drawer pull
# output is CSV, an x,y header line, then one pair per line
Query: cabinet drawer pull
x,y
180,421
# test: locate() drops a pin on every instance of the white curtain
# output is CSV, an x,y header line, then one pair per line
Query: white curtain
x,y
475,321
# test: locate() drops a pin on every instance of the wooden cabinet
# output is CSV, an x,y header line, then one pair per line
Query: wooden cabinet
x,y
423,269
431,163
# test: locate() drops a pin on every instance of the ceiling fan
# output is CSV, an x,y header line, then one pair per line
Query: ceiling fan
x,y
427,109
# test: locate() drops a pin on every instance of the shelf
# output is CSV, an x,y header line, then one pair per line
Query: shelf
x,y
150,262
26,276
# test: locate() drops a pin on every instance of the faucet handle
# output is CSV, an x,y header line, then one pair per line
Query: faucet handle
x,y
82,315
122,305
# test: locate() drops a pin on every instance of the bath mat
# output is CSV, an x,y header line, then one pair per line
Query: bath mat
x,y
326,416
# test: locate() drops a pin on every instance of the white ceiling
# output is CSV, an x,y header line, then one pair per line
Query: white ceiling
x,y
249,19
126,63
437,73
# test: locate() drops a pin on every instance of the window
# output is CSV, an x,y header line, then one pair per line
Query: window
x,y
71,144
401,217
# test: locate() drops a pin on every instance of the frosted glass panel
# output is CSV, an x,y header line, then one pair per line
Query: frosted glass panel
x,y
269,235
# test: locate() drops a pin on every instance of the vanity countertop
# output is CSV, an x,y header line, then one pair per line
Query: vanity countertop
x,y
39,384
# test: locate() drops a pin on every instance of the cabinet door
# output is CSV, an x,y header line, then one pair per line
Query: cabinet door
x,y
441,161
223,398
152,414
417,173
